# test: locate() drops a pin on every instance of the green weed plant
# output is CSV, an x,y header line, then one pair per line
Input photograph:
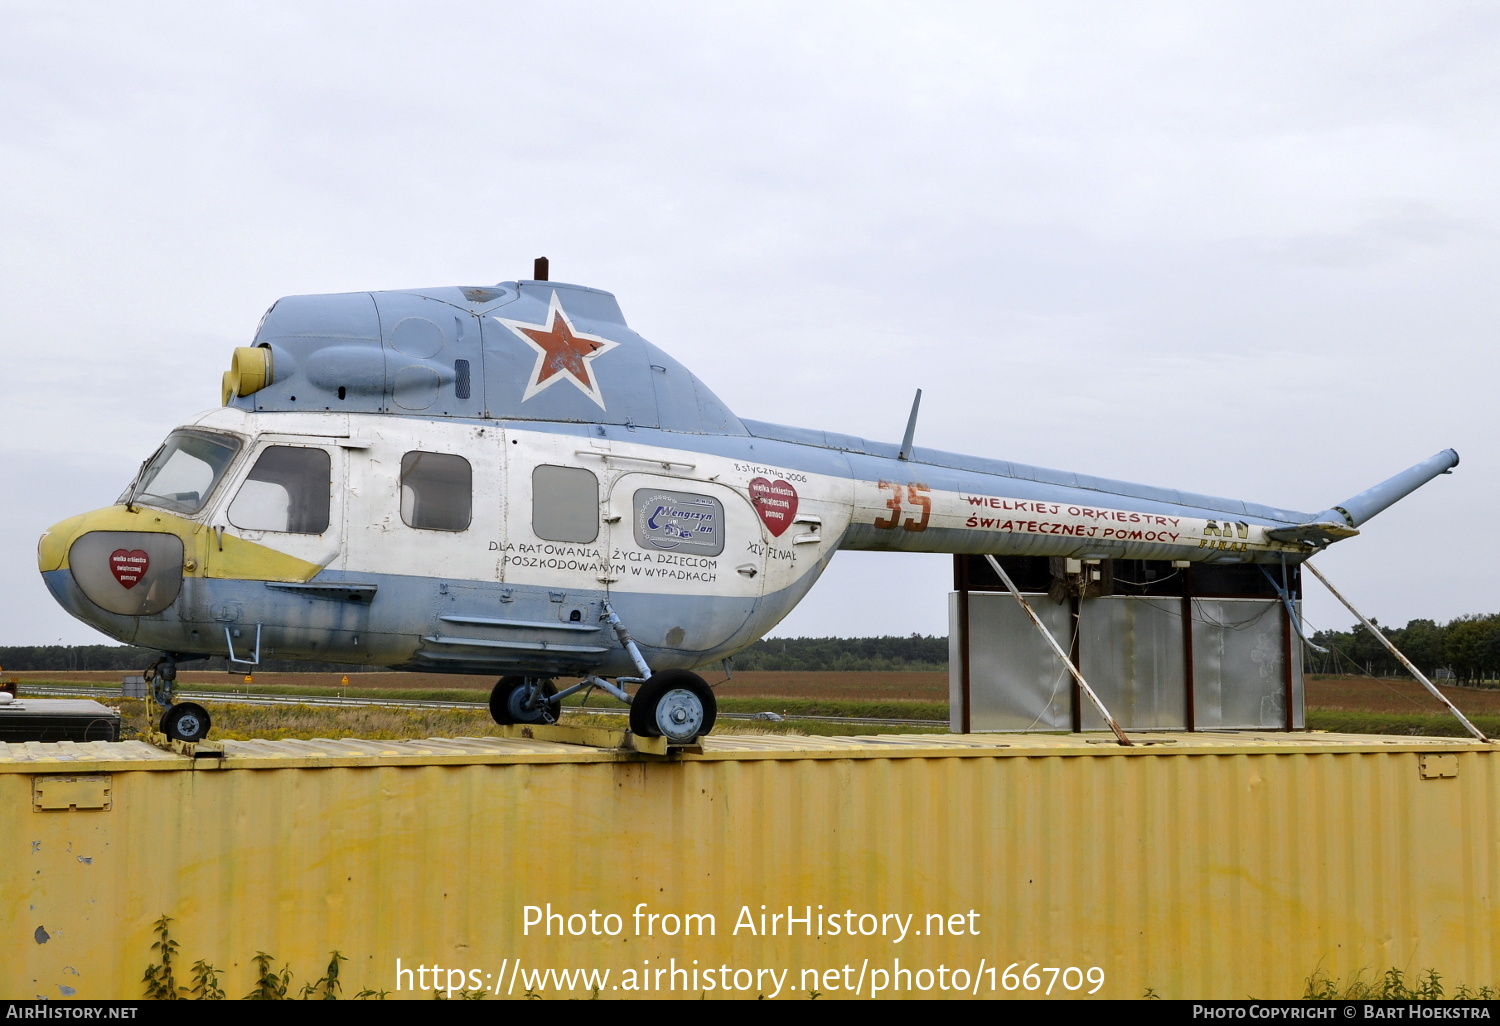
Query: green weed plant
x,y
1392,985
271,984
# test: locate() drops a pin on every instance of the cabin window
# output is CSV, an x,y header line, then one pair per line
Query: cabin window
x,y
287,490
437,491
564,504
184,471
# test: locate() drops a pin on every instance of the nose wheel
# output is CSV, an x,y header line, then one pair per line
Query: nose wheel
x,y
185,721
675,704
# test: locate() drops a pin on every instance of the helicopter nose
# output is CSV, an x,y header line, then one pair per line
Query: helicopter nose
x,y
132,573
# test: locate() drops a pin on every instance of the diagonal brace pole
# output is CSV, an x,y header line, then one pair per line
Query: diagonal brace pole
x,y
1058,649
1397,653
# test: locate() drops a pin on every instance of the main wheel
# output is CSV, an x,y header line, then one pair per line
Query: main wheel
x,y
675,704
512,702
185,721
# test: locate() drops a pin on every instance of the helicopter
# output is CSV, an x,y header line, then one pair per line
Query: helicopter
x,y
506,479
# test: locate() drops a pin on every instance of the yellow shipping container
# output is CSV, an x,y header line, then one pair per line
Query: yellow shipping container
x,y
1195,865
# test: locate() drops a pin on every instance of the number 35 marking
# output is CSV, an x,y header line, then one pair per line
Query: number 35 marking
x,y
916,495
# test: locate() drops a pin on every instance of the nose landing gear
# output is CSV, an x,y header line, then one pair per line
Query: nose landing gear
x,y
180,721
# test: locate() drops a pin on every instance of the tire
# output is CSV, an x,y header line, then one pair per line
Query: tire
x,y
507,702
675,704
186,721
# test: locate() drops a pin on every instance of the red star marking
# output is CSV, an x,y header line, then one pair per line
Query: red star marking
x,y
563,354
562,350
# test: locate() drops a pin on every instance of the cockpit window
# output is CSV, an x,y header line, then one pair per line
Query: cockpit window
x,y
184,471
288,490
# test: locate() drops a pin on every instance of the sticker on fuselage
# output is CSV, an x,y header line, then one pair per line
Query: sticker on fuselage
x,y
775,503
679,522
129,566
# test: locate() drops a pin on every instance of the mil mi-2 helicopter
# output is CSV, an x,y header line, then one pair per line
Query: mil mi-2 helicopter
x,y
507,479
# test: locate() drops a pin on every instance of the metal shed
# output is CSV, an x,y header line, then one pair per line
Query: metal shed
x,y
1167,646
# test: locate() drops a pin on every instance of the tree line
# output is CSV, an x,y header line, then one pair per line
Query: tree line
x,y
913,652
1469,647
916,652
126,659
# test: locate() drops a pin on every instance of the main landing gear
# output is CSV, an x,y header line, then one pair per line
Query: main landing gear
x,y
675,704
524,700
180,721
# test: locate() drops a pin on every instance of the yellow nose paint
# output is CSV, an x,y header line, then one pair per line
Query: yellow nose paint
x,y
238,559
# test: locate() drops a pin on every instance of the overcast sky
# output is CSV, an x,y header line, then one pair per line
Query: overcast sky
x,y
1243,249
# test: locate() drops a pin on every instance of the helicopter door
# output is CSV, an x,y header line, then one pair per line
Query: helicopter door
x,y
287,502
427,509
688,566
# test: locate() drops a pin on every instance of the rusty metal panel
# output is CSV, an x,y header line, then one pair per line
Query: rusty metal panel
x,y
1198,866
1131,653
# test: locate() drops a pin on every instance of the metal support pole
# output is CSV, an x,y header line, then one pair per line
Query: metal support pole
x,y
1016,593
1397,653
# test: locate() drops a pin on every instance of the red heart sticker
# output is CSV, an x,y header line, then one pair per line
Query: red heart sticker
x,y
129,567
776,502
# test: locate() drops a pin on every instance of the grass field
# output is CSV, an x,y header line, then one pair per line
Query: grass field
x,y
1344,704
1377,705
